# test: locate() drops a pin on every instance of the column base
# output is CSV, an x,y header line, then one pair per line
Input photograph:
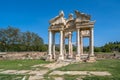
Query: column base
x,y
54,56
61,58
91,59
49,58
70,56
78,58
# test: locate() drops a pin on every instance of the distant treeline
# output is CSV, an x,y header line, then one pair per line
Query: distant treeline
x,y
109,47
12,39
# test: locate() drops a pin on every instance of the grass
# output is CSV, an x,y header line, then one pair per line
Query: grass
x,y
70,77
20,64
101,78
111,65
11,77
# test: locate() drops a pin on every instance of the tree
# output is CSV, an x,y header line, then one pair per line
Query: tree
x,y
97,49
12,39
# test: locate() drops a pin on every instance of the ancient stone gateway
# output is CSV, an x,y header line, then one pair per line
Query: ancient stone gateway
x,y
83,27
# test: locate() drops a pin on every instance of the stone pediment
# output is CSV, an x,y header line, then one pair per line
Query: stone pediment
x,y
72,23
82,17
58,20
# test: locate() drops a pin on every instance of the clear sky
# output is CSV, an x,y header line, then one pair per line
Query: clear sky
x,y
33,15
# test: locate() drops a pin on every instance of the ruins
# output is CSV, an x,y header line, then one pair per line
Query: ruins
x,y
82,25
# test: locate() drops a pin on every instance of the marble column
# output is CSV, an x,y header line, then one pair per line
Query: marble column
x,y
91,57
61,56
64,50
53,45
70,45
50,47
78,45
91,42
81,44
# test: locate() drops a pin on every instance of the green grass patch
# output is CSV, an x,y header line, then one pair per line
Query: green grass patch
x,y
20,64
111,65
70,77
11,77
101,78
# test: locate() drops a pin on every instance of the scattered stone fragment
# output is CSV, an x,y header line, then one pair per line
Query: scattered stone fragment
x,y
97,73
58,78
36,78
100,73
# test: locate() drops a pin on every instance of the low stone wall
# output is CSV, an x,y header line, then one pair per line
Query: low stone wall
x,y
43,55
108,56
21,55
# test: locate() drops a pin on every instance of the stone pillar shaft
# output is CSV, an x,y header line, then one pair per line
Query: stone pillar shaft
x,y
61,56
61,42
91,57
49,58
70,45
81,44
78,58
53,46
64,50
78,42
50,43
91,42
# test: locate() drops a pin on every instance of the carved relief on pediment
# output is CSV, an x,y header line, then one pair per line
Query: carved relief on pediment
x,y
70,24
81,16
85,32
67,34
58,19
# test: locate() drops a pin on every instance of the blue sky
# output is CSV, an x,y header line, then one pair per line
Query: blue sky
x,y
33,15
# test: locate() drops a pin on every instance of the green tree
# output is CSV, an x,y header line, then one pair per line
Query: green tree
x,y
12,39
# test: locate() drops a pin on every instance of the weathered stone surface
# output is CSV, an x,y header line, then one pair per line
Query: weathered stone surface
x,y
69,73
83,27
58,78
21,55
96,73
100,73
9,72
23,72
38,73
36,78
53,65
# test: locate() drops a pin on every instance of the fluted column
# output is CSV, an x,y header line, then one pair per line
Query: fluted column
x,y
61,56
91,57
78,41
53,46
91,42
70,45
50,46
78,45
64,50
81,44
